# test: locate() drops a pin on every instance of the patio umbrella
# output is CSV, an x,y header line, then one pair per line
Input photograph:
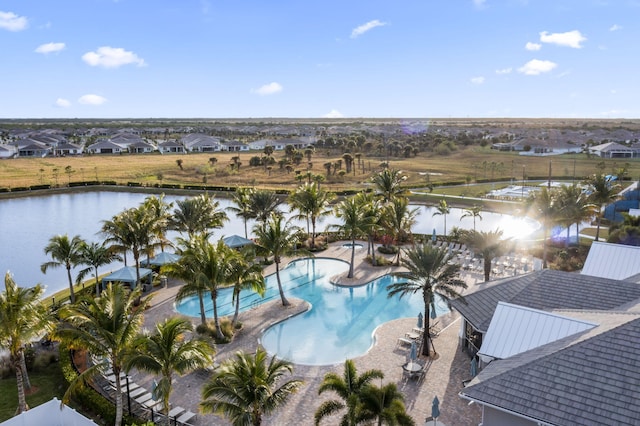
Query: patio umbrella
x,y
435,409
434,236
413,353
420,320
432,311
474,367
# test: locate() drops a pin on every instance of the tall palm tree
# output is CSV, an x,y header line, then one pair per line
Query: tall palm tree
x,y
388,183
443,209
385,405
245,388
349,389
312,203
186,269
428,271
211,265
278,238
197,215
473,212
166,352
263,204
354,224
95,255
159,211
544,207
245,275
398,219
370,206
23,317
489,244
602,192
242,208
574,208
134,229
105,327
63,252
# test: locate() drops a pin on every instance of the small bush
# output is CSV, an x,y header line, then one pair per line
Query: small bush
x,y
389,249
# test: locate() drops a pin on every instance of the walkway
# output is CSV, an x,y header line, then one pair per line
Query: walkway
x,y
443,378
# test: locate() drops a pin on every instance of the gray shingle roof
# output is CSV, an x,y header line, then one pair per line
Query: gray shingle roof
x,y
591,378
546,290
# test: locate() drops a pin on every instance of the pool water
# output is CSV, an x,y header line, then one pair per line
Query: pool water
x,y
340,322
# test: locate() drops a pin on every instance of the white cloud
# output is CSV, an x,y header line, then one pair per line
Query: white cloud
x,y
536,67
479,3
477,80
92,99
568,39
12,22
50,47
358,31
63,103
112,57
504,71
615,27
334,113
532,46
268,89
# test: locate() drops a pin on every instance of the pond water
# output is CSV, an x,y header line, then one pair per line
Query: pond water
x,y
28,223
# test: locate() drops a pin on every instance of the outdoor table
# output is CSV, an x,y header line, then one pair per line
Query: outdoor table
x,y
412,368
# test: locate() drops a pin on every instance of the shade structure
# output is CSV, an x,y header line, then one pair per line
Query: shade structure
x,y
434,236
432,311
413,353
162,258
435,407
235,241
420,320
127,275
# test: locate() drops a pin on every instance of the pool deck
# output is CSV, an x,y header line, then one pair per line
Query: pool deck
x,y
443,378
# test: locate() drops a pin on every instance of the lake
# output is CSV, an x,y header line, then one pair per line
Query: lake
x,y
28,223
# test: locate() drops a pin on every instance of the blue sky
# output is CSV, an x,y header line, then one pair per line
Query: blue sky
x,y
285,58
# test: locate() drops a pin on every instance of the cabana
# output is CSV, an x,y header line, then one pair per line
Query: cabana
x,y
161,258
127,275
236,241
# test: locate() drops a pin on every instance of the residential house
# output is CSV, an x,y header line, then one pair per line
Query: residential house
x,y
613,150
7,151
234,146
141,147
171,147
106,146
68,148
198,142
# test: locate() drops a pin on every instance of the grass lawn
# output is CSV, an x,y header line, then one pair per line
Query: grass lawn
x,y
46,384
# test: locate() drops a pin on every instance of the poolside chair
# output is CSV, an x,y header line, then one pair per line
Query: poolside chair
x,y
403,341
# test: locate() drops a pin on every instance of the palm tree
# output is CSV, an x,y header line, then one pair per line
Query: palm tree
x,y
135,230
246,275
197,215
354,224
602,192
489,244
398,219
63,252
105,327
313,204
278,238
473,212
95,255
263,204
388,183
429,271
211,268
349,388
443,209
159,211
186,269
245,388
573,208
242,200
23,317
370,207
544,207
386,405
166,352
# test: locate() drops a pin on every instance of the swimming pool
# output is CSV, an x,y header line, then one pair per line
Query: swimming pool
x,y
341,321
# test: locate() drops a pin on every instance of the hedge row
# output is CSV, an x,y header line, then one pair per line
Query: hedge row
x,y
85,395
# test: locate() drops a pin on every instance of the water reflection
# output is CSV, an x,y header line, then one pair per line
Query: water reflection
x,y
28,223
